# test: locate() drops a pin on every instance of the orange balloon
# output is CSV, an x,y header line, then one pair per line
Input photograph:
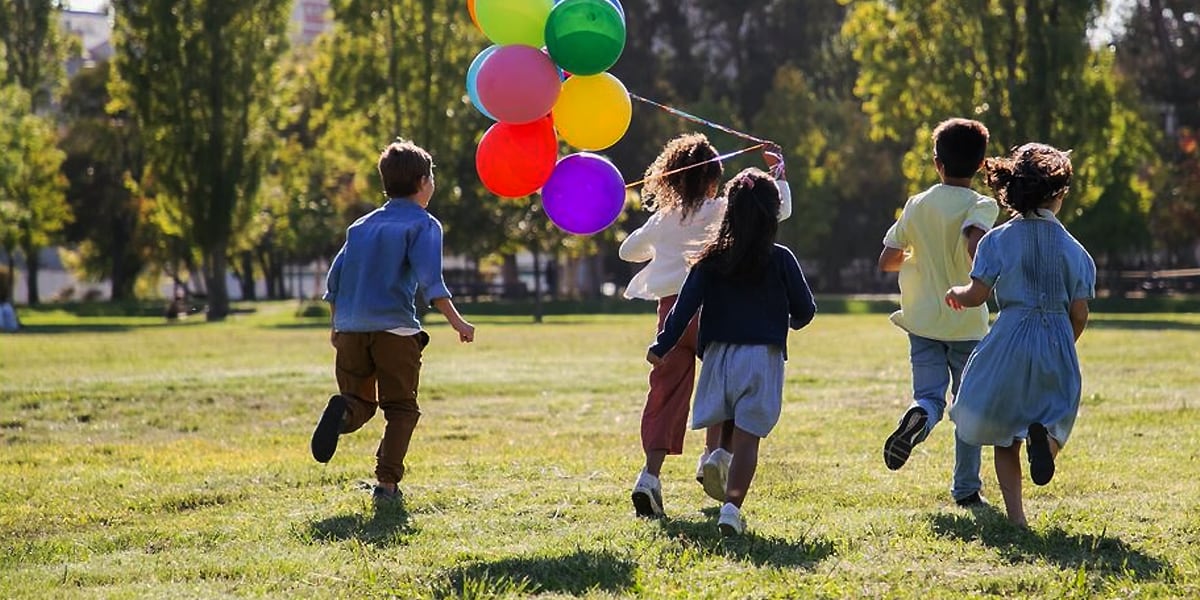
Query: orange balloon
x,y
471,9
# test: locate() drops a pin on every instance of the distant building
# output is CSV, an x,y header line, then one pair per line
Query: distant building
x,y
94,31
310,18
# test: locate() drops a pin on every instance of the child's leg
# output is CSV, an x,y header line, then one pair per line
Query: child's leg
x,y
743,466
665,416
399,364
1008,475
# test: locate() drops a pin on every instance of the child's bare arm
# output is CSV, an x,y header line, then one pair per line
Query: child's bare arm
x,y
974,234
466,331
891,259
1079,316
968,296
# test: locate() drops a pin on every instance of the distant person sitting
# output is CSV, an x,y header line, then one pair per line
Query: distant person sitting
x,y
8,318
178,306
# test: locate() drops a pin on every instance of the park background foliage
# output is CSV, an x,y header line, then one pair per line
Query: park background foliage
x,y
211,145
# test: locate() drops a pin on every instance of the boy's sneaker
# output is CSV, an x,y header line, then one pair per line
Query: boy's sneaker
x,y
384,496
1041,460
700,467
972,501
325,436
899,445
716,473
647,496
731,522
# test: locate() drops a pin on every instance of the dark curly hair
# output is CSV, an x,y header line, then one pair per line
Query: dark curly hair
x,y
683,189
742,246
1031,177
960,145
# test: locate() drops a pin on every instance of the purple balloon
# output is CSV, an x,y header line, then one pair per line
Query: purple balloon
x,y
585,194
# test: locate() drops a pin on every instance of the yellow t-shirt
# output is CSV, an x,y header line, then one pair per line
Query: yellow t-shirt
x,y
930,231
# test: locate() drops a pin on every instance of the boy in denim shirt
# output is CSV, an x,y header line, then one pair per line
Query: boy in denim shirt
x,y
371,288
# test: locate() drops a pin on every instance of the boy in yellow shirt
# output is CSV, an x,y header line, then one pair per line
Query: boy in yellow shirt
x,y
932,245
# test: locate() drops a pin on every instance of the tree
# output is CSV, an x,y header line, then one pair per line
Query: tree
x,y
34,56
102,156
198,75
1159,52
1026,69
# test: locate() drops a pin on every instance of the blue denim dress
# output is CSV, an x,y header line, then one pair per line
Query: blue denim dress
x,y
1026,370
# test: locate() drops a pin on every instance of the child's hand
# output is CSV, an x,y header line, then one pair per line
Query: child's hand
x,y
466,332
773,156
653,358
952,299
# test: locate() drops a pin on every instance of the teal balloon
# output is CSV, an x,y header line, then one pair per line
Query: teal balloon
x,y
473,80
585,37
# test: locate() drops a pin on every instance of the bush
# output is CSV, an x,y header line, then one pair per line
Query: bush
x,y
313,310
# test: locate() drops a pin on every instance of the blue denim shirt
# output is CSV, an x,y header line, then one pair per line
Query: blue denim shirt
x,y
389,254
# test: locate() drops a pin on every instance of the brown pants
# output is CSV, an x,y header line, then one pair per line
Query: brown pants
x,y
664,419
391,364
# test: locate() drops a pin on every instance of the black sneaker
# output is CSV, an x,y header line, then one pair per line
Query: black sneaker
x,y
899,445
325,436
383,496
972,501
1041,461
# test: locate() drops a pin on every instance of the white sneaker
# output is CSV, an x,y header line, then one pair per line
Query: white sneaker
x,y
700,467
647,496
716,473
731,522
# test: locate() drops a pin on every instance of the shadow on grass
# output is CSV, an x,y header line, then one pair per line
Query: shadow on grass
x,y
572,574
88,328
1142,324
387,526
805,552
1100,554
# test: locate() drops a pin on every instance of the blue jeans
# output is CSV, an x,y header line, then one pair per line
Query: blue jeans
x,y
936,366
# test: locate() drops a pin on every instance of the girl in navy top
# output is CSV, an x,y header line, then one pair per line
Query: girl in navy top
x,y
752,291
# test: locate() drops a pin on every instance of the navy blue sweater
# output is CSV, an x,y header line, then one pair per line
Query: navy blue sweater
x,y
737,312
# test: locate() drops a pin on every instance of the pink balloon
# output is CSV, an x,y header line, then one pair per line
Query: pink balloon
x,y
518,84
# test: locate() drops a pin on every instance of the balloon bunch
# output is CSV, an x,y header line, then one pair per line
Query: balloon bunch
x,y
545,77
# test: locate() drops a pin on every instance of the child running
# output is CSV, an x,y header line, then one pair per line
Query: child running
x,y
389,255
932,245
1023,380
681,191
751,290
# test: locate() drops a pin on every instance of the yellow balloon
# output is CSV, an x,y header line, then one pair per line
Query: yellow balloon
x,y
593,111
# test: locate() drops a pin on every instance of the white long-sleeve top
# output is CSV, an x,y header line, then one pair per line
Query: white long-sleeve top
x,y
667,241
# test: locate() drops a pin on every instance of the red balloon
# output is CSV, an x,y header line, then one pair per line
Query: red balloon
x,y
516,160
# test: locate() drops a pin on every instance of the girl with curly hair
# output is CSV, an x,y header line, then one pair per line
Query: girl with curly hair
x,y
751,290
1023,381
681,192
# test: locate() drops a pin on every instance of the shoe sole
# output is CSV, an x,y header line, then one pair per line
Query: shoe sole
x,y
728,530
645,505
325,436
714,484
1041,461
899,445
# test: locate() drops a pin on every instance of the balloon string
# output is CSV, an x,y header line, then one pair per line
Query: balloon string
x,y
711,160
702,121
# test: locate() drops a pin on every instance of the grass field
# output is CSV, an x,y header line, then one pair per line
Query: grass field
x,y
140,460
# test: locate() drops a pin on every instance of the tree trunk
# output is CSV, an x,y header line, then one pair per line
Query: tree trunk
x,y
215,269
537,284
246,277
33,264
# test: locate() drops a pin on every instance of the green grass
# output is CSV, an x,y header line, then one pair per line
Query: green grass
x,y
145,460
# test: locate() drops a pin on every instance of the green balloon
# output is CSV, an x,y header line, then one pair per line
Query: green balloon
x,y
508,22
585,37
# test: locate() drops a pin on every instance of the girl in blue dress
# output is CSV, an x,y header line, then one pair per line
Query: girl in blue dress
x,y
1022,382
